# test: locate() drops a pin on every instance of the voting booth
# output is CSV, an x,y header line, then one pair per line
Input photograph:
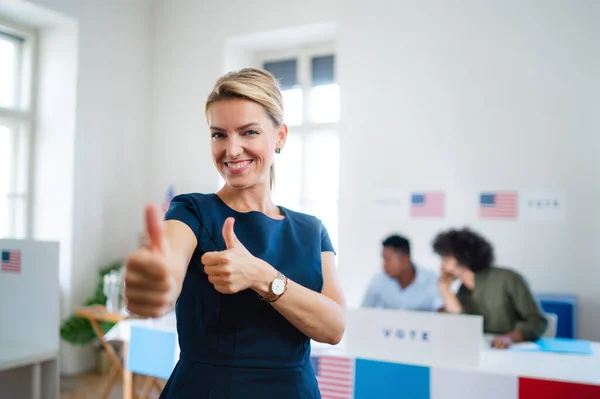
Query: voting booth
x,y
405,354
29,319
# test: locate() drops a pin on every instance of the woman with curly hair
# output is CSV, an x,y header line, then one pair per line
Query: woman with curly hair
x,y
498,294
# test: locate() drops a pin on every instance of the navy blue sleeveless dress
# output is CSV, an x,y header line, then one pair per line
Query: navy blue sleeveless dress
x,y
237,346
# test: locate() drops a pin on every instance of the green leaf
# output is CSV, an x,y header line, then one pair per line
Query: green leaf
x,y
77,331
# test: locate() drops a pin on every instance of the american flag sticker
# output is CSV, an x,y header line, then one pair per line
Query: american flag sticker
x,y
427,204
335,376
498,205
169,195
11,261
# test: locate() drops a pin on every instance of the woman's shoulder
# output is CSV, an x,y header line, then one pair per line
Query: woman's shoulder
x,y
197,198
507,274
192,203
302,219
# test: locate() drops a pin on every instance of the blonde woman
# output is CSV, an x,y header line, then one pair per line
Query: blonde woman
x,y
252,282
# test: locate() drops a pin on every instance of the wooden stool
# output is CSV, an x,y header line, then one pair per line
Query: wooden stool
x,y
96,314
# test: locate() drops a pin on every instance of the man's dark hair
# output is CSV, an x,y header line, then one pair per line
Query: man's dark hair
x,y
398,243
469,248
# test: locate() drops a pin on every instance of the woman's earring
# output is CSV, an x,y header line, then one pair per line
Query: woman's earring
x,y
278,151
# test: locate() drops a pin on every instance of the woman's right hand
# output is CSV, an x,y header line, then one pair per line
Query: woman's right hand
x,y
150,287
445,281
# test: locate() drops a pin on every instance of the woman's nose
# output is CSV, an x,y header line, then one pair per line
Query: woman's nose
x,y
234,148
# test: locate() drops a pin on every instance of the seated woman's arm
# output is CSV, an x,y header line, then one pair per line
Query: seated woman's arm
x,y
451,302
533,324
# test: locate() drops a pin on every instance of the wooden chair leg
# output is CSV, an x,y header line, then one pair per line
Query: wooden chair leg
x,y
110,382
116,361
159,388
128,385
147,388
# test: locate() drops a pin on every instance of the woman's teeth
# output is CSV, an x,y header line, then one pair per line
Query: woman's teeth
x,y
238,165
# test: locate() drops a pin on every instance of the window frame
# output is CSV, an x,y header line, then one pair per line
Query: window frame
x,y
304,55
20,119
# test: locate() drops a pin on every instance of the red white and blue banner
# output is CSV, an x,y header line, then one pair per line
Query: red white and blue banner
x,y
376,379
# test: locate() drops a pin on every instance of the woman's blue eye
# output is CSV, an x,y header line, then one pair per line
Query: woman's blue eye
x,y
217,135
251,132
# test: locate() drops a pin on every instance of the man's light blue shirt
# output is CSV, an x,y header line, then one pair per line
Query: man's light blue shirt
x,y
422,294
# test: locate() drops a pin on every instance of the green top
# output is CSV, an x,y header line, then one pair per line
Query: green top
x,y
506,303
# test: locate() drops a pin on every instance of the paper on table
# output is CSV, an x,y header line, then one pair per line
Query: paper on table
x,y
525,347
564,345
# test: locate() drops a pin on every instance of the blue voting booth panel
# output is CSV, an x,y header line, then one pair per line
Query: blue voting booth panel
x,y
565,308
376,379
151,352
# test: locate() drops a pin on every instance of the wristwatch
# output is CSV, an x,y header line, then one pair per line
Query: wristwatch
x,y
277,288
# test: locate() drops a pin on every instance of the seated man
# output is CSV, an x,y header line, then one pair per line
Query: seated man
x,y
402,285
500,295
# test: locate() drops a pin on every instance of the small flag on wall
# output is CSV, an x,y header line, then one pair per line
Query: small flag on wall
x,y
498,205
169,195
335,376
427,204
11,261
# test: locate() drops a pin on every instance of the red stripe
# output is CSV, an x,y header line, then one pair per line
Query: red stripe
x,y
335,382
336,377
334,388
327,393
542,389
336,370
336,360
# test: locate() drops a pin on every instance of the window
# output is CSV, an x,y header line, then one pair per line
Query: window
x,y
307,170
16,121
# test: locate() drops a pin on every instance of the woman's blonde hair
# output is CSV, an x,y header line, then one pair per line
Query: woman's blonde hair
x,y
253,84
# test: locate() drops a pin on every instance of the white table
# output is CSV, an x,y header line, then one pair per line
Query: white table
x,y
497,367
581,369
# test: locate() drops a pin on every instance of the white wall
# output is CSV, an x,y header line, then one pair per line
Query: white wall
x,y
477,95
102,164
189,54
421,84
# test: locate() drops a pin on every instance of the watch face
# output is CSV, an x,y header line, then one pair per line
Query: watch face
x,y
278,286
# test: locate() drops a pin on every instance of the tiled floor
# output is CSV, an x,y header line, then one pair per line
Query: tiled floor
x,y
89,386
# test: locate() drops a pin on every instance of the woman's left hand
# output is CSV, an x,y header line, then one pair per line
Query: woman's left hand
x,y
234,269
502,342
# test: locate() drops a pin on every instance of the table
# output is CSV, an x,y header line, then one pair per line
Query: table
x,y
501,374
96,314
